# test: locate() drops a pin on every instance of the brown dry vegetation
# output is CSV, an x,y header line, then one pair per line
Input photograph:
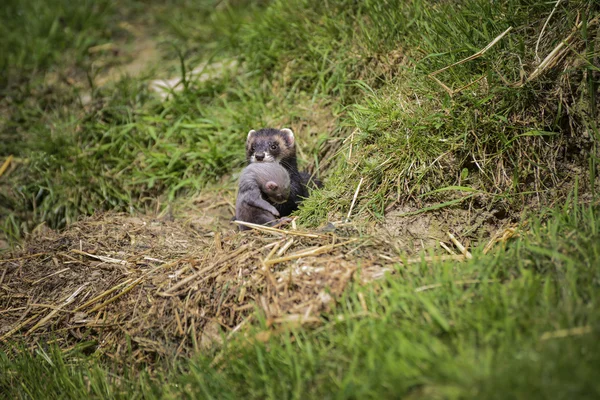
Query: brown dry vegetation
x,y
169,286
145,287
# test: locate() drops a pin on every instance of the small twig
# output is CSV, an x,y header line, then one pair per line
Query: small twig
x,y
353,201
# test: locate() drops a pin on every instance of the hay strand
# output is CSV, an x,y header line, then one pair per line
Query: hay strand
x,y
6,164
459,245
270,229
563,333
353,200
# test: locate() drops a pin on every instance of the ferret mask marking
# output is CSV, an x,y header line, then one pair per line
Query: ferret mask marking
x,y
269,146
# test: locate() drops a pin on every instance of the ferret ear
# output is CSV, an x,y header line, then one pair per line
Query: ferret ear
x,y
272,185
288,135
250,134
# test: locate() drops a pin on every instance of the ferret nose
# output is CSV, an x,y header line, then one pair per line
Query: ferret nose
x,y
259,156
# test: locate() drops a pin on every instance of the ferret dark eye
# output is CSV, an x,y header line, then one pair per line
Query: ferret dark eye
x,y
274,146
252,148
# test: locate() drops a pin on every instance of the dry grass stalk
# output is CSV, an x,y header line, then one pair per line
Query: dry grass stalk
x,y
100,258
427,259
47,276
353,200
18,327
562,333
464,60
418,260
312,252
114,298
204,270
459,245
270,229
102,295
285,247
537,44
463,282
5,165
350,138
448,249
502,236
23,257
556,54
47,318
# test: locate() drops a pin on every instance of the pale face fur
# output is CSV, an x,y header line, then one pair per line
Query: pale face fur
x,y
270,145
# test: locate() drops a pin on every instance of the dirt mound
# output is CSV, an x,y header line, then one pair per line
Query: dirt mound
x,y
145,287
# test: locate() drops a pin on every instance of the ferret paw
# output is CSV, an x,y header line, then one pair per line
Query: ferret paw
x,y
282,221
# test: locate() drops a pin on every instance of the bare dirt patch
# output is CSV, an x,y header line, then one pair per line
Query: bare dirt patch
x,y
423,232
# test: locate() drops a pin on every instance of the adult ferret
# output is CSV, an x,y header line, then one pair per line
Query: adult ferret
x,y
270,145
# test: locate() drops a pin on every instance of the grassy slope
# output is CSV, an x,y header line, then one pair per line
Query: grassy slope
x,y
368,65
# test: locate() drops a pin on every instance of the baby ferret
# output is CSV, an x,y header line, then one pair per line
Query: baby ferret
x,y
260,182
278,146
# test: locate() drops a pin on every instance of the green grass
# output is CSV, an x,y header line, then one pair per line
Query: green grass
x,y
410,138
364,66
453,341
35,35
368,66
125,149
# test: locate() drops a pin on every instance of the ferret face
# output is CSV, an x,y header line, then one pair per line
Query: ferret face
x,y
270,145
277,194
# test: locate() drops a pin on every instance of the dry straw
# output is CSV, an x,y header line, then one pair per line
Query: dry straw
x,y
168,290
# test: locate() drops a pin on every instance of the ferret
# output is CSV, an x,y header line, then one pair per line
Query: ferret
x,y
270,145
260,182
